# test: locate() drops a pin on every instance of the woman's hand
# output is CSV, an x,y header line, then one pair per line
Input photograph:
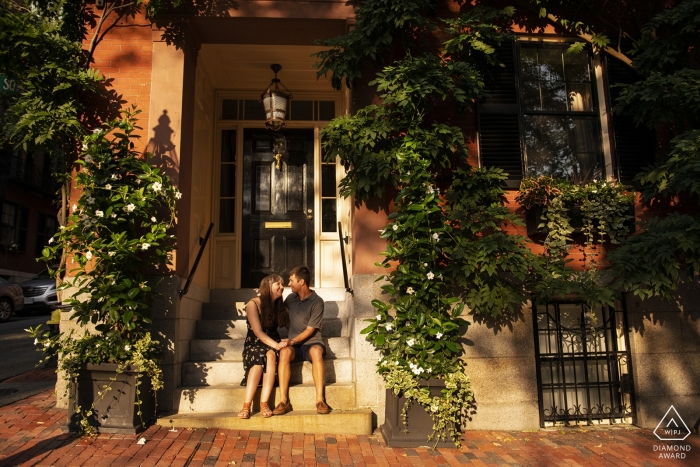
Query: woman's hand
x,y
281,345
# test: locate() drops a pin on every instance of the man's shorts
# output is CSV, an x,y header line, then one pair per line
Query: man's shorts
x,y
302,351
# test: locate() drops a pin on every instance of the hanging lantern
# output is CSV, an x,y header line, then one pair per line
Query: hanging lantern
x,y
275,99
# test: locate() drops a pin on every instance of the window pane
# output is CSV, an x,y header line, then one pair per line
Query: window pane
x,y
328,184
528,64
553,95
577,67
226,215
329,220
253,110
302,110
228,146
531,95
550,64
228,181
580,97
229,109
562,147
326,110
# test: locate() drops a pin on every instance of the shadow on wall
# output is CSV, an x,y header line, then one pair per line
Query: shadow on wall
x,y
163,150
175,31
104,104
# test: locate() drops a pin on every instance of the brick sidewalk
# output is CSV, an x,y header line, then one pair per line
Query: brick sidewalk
x,y
30,436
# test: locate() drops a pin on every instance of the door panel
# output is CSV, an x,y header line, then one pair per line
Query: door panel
x,y
278,226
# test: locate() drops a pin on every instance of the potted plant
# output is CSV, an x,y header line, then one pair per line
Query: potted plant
x,y
116,244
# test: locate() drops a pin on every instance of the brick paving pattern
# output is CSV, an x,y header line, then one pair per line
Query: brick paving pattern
x,y
30,435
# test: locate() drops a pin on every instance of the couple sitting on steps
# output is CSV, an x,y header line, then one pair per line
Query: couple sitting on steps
x,y
302,314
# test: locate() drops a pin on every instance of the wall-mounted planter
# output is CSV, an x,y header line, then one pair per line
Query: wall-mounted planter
x,y
420,425
117,411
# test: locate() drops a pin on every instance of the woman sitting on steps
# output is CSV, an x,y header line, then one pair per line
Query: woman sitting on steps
x,y
264,314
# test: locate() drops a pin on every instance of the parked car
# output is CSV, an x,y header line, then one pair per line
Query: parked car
x,y
11,299
40,293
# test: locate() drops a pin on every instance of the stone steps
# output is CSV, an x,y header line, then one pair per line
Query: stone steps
x,y
227,398
214,373
203,350
237,329
353,422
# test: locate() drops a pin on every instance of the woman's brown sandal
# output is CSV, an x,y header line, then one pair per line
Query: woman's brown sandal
x,y
245,411
265,410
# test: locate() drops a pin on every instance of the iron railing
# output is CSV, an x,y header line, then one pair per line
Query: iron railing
x,y
202,244
344,240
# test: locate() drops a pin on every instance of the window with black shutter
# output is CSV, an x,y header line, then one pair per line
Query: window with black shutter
x,y
540,115
634,147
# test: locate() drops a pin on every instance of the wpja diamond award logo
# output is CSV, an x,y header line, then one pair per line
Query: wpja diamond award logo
x,y
672,428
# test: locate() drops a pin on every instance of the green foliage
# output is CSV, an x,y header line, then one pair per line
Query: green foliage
x,y
380,24
118,241
604,210
40,48
650,264
678,173
435,243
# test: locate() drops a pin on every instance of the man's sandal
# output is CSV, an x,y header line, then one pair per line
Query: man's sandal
x,y
245,411
265,410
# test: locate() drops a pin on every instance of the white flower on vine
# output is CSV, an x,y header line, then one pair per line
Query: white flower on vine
x,y
90,200
130,207
438,335
47,344
429,370
85,147
395,227
127,347
145,246
36,341
430,275
436,237
112,253
114,176
88,158
97,344
74,207
410,291
178,195
425,265
156,186
113,215
440,277
379,317
99,213
138,181
410,342
388,327
88,255
96,131
434,408
153,219
50,240
431,190
108,186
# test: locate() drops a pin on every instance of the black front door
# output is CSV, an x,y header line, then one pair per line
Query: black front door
x,y
278,226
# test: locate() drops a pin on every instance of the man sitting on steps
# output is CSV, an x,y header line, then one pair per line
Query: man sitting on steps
x,y
304,341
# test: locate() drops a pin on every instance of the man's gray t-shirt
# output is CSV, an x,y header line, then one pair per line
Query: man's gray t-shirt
x,y
303,313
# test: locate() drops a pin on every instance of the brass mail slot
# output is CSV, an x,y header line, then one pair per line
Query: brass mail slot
x,y
278,225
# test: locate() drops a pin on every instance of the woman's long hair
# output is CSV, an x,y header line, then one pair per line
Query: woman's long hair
x,y
272,313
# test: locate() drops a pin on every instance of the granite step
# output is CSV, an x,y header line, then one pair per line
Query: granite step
x,y
237,329
215,373
226,398
236,310
347,422
204,350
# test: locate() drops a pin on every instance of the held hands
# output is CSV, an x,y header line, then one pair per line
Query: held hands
x,y
281,345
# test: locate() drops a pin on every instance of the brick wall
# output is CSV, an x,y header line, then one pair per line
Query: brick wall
x,y
123,54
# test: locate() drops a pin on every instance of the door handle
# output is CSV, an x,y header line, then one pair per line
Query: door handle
x,y
309,214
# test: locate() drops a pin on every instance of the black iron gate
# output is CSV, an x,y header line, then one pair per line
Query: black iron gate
x,y
584,371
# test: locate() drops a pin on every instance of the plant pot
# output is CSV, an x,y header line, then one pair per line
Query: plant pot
x,y
420,424
117,411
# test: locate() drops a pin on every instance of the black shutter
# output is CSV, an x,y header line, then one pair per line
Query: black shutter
x,y
498,119
634,147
